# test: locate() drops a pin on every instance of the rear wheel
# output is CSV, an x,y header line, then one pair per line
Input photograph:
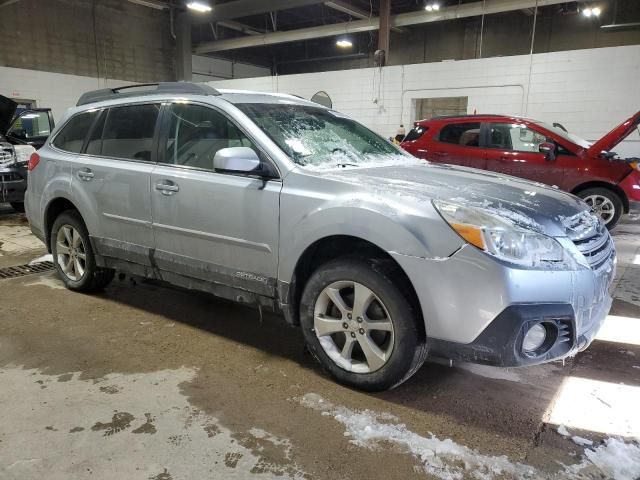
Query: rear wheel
x,y
73,256
17,206
605,203
360,327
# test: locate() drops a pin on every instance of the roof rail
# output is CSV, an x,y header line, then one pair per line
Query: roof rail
x,y
162,87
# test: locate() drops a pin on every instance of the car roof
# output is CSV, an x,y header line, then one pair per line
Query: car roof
x,y
467,118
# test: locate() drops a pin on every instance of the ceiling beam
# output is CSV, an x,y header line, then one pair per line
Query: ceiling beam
x,y
401,20
245,8
239,27
355,12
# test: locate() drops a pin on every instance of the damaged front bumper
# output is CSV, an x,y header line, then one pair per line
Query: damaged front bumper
x,y
13,183
478,310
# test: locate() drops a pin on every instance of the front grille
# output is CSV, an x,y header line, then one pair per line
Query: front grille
x,y
597,249
22,270
6,153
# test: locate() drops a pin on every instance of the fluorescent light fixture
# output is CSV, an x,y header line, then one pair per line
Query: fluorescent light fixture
x,y
199,6
344,43
591,12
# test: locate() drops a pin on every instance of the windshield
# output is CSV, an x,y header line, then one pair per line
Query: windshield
x,y
320,138
566,135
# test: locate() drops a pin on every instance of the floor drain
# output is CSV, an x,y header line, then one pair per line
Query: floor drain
x,y
22,270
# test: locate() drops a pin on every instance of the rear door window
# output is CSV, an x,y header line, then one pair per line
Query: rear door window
x,y
462,134
71,137
415,133
129,130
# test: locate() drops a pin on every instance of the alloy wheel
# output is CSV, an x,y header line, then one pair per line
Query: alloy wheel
x,y
71,253
602,206
353,327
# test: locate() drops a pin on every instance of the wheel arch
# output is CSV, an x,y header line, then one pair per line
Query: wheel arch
x,y
53,209
608,186
336,246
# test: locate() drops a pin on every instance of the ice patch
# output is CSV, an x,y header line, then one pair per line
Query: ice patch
x,y
562,430
44,258
447,460
581,441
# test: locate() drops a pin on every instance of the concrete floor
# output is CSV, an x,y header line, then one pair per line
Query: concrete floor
x,y
149,382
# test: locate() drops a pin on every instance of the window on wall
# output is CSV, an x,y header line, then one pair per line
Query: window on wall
x,y
128,131
513,136
196,133
463,134
427,108
71,137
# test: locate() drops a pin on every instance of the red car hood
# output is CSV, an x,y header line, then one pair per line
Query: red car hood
x,y
615,136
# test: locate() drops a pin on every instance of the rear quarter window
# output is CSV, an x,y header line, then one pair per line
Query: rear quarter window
x,y
415,133
71,137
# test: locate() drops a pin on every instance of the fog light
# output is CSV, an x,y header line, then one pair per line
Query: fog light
x,y
534,338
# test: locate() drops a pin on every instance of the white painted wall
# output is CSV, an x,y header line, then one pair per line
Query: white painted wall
x,y
588,91
53,90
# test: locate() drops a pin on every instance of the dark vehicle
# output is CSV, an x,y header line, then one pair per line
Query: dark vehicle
x,y
20,135
534,150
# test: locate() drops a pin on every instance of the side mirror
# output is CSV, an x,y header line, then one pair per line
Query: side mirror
x,y
549,150
240,160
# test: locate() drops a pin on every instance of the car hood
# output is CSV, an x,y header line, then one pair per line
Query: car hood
x,y
7,110
615,136
530,205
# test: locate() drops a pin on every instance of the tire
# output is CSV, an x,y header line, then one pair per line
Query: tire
x,y
404,344
17,206
69,230
607,204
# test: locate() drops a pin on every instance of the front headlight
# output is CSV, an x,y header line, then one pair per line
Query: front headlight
x,y
23,153
501,238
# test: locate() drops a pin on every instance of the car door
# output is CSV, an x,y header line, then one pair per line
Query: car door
x,y
31,127
514,149
111,177
216,227
458,144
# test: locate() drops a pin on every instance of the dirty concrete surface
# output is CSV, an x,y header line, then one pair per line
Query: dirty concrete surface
x,y
145,381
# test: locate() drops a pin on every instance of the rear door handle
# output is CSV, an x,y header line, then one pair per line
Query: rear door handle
x,y
505,159
440,154
85,174
167,187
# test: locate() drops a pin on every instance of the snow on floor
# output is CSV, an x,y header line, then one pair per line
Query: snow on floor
x,y
44,258
133,426
447,460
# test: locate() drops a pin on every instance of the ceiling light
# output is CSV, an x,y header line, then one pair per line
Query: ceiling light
x,y
432,7
199,6
429,8
436,7
344,43
591,12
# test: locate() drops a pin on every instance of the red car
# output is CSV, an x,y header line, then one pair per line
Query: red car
x,y
537,151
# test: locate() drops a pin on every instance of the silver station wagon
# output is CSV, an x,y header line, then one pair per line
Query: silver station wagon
x,y
272,200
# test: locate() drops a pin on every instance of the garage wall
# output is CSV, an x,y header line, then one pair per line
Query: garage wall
x,y
588,91
97,38
53,90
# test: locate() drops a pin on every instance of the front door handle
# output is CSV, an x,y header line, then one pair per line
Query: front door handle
x,y
505,159
167,187
85,174
440,154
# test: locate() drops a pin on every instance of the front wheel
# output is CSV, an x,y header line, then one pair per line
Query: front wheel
x,y
73,256
605,203
360,326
